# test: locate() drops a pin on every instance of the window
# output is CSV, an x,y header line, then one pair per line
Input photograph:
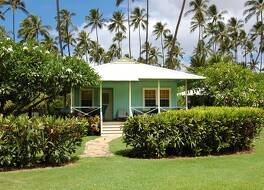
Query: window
x,y
87,98
150,98
165,98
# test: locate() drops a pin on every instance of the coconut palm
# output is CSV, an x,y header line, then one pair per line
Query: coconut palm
x,y
234,28
214,15
14,5
154,53
112,53
2,15
68,39
119,37
199,10
50,44
95,21
118,2
138,20
248,49
59,25
147,33
160,31
255,8
3,32
66,25
117,22
83,43
32,28
257,33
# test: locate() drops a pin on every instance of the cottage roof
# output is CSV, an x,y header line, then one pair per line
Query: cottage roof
x,y
129,70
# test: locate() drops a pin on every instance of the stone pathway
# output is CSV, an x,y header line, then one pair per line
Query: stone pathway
x,y
99,147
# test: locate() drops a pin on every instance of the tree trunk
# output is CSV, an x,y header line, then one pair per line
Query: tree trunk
x,y
14,32
68,40
162,49
59,26
261,45
129,31
97,42
139,33
147,28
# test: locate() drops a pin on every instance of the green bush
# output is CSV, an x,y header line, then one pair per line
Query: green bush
x,y
28,142
196,132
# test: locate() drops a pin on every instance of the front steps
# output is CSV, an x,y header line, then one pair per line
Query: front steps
x,y
112,128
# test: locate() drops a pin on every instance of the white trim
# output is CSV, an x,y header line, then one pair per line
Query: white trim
x,y
101,106
130,98
169,89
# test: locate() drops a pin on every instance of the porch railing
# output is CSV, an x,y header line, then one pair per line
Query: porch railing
x,y
86,110
153,110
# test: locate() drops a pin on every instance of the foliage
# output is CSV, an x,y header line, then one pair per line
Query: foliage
x,y
28,142
30,75
232,85
196,132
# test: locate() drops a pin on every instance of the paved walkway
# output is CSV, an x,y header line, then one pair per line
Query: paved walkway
x,y
99,147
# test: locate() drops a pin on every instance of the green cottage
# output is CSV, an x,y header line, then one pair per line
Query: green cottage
x,y
129,88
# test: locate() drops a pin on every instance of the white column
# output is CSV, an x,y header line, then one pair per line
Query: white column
x,y
158,96
101,107
71,100
186,95
130,99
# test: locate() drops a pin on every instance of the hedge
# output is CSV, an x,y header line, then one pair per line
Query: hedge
x,y
196,132
27,142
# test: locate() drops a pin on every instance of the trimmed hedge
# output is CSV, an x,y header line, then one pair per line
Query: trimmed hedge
x,y
26,142
196,132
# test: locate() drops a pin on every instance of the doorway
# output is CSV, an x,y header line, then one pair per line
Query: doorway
x,y
107,100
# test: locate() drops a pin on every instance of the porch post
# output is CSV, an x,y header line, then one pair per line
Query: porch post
x,y
130,99
158,96
101,107
71,101
186,95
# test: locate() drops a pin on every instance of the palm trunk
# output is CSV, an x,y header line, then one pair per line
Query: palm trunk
x,y
37,36
139,33
129,31
58,26
147,27
14,33
97,42
261,45
68,40
162,49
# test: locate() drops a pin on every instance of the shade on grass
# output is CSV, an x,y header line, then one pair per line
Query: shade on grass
x,y
244,171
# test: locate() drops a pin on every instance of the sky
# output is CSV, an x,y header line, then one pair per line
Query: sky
x,y
166,11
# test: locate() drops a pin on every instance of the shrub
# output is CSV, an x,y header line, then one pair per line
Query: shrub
x,y
195,132
28,142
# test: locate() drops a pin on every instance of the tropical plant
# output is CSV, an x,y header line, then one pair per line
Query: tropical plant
x,y
67,26
160,31
199,10
95,21
118,2
119,37
14,5
83,44
50,44
147,34
138,20
154,54
59,25
31,28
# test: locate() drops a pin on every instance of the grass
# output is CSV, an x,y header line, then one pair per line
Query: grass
x,y
240,171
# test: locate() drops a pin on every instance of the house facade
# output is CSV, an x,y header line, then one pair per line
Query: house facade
x,y
129,88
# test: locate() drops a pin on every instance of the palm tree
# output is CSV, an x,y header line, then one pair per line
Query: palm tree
x,y
112,53
174,39
234,28
14,5
257,33
95,20
199,9
118,2
68,39
160,31
147,34
119,37
117,25
31,28
50,44
2,15
83,43
59,25
154,53
138,20
214,15
256,8
66,24
3,32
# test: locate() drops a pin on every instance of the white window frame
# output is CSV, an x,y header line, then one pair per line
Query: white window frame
x,y
80,95
156,94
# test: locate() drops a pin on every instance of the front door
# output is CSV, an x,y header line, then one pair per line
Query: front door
x,y
108,104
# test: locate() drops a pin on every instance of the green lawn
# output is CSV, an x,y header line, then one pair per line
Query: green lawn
x,y
245,171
